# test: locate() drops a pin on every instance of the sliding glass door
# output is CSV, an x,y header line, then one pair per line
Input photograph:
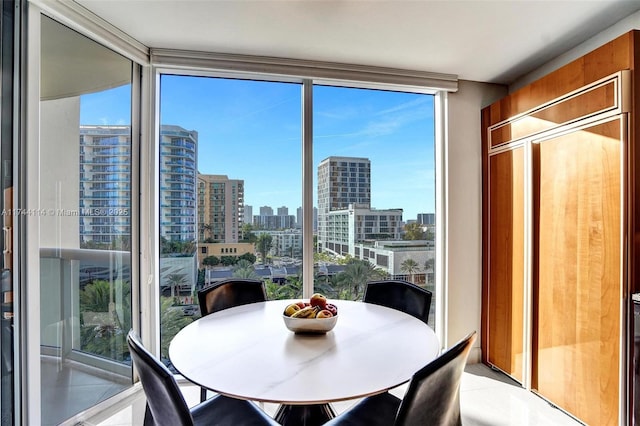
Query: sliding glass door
x,y
83,217
7,128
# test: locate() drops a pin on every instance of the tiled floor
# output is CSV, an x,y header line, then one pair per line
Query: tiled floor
x,y
487,398
70,387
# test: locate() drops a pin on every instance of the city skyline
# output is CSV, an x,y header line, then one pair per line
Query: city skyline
x,y
251,130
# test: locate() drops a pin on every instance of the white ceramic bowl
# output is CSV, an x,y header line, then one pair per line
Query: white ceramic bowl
x,y
310,325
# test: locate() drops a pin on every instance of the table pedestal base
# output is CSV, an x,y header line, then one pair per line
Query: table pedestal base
x,y
304,415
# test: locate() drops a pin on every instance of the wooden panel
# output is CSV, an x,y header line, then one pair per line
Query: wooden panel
x,y
577,303
609,58
506,260
597,99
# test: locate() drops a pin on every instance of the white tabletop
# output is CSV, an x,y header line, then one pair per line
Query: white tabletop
x,y
247,352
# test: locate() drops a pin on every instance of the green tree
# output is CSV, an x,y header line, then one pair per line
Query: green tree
x,y
172,320
244,269
429,235
176,280
108,337
264,245
410,267
206,228
291,289
355,276
414,231
429,266
247,233
228,260
210,261
249,257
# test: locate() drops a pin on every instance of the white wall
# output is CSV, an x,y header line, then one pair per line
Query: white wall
x,y
631,22
464,211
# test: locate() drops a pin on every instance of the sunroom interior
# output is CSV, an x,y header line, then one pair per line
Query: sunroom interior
x,y
462,55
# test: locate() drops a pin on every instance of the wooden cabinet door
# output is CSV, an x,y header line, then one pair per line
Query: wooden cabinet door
x,y
577,271
505,280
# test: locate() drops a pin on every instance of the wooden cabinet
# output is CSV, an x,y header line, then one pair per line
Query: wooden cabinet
x,y
506,261
577,313
560,233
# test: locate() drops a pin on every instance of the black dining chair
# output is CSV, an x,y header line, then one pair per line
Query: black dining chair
x,y
432,398
401,295
227,294
166,405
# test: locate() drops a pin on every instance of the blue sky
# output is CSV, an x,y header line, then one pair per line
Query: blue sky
x,y
252,130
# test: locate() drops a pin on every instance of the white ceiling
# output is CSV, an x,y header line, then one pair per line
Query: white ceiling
x,y
481,40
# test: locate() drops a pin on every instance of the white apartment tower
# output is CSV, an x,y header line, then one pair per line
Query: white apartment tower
x,y
178,160
105,184
341,181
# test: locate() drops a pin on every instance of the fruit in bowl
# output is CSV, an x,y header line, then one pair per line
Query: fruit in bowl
x,y
316,316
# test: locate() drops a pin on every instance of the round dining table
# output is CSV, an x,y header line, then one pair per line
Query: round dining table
x,y
247,352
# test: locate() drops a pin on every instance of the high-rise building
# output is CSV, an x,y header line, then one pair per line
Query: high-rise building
x,y
299,218
220,208
248,214
105,189
105,184
427,218
359,223
178,166
341,181
266,211
274,222
283,211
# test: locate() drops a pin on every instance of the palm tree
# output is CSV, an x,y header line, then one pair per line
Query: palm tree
x,y
355,276
244,269
413,231
264,245
106,339
428,267
206,227
176,280
409,266
171,322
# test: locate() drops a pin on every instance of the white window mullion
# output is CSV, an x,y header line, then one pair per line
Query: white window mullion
x,y
307,188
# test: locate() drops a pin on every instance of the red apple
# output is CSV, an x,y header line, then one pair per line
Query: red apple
x,y
324,314
332,308
301,304
318,300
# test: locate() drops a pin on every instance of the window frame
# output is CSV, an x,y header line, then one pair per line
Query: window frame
x,y
210,65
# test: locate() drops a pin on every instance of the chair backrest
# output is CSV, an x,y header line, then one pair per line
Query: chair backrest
x,y
401,295
433,395
165,402
229,293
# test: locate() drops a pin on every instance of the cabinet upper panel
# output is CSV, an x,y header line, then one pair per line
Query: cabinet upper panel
x,y
616,55
607,95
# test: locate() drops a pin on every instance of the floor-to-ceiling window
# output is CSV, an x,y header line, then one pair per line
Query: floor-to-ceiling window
x,y
231,190
84,221
374,164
